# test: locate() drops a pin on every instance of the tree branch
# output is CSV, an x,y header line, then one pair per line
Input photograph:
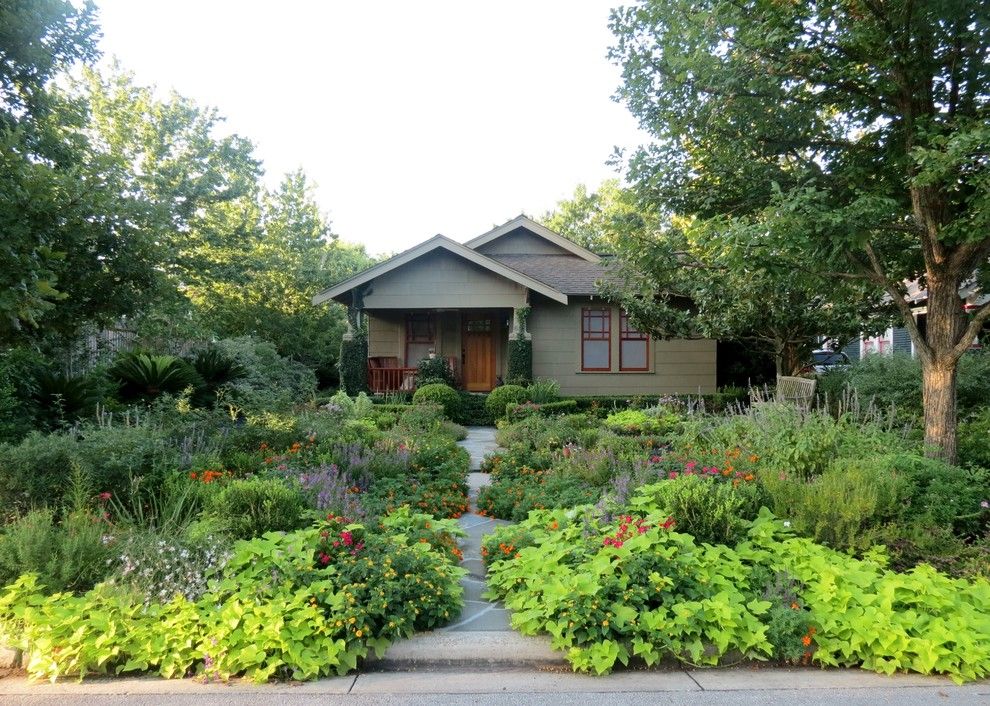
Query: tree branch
x,y
896,293
981,316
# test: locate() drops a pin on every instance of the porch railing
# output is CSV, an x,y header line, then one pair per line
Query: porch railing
x,y
391,379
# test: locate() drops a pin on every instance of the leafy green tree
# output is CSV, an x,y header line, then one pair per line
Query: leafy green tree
x,y
851,137
680,277
72,246
266,286
592,219
687,280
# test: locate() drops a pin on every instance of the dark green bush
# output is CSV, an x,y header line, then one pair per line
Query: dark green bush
x,y
250,507
473,411
896,380
271,381
440,394
217,371
974,440
502,396
434,370
63,399
37,470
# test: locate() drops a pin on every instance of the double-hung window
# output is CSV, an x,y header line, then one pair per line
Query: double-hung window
x,y
596,330
634,346
420,338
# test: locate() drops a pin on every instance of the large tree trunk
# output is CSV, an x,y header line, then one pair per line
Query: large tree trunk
x,y
938,394
946,322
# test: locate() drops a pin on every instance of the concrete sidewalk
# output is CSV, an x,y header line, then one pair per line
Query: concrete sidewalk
x,y
747,685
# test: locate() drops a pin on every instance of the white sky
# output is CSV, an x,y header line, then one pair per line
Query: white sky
x,y
413,118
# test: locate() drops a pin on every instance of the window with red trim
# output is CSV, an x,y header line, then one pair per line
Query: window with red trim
x,y
420,338
596,347
634,346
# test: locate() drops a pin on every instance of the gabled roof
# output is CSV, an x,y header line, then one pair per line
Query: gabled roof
x,y
439,241
566,273
529,224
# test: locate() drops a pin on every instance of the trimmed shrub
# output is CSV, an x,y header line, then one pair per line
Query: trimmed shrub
x,y
443,395
250,507
502,396
527,409
473,411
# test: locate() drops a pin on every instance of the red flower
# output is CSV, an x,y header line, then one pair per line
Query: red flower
x,y
324,558
104,496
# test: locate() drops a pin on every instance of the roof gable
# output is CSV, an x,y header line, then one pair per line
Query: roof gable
x,y
510,229
438,241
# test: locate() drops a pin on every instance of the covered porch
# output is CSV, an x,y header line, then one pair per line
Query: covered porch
x,y
474,342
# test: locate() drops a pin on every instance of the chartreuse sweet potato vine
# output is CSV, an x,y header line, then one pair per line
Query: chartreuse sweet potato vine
x,y
301,605
635,587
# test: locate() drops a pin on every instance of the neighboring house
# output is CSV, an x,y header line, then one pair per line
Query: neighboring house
x,y
897,339
463,303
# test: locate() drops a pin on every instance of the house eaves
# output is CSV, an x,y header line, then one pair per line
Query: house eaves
x,y
438,241
538,229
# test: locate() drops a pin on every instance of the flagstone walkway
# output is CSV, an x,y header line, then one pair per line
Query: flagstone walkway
x,y
478,614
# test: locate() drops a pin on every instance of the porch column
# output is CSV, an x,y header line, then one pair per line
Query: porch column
x,y
520,369
518,330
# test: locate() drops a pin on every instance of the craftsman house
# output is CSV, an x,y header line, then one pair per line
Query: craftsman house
x,y
517,282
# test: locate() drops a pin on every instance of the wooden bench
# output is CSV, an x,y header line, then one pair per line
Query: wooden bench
x,y
797,391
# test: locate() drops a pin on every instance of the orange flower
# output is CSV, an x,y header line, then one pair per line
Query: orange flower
x,y
806,640
794,606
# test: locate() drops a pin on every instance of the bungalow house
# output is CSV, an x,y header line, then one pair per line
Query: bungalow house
x,y
517,282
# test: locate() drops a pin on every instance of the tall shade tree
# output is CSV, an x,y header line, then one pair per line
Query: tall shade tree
x,y
71,248
591,219
861,126
264,287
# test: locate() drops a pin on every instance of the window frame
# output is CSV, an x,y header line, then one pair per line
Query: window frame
x,y
418,340
627,333
604,313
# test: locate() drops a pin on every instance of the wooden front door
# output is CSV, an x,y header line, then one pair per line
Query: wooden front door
x,y
479,353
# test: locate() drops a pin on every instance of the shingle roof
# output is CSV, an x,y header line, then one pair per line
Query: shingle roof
x,y
568,274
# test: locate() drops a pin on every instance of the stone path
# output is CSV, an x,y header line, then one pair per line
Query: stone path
x,y
478,614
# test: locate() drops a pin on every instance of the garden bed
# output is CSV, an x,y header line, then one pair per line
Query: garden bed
x,y
289,545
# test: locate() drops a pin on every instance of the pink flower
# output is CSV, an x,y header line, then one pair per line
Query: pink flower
x,y
672,474
985,504
104,497
324,558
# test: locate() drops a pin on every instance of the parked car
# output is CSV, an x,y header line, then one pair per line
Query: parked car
x,y
825,360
